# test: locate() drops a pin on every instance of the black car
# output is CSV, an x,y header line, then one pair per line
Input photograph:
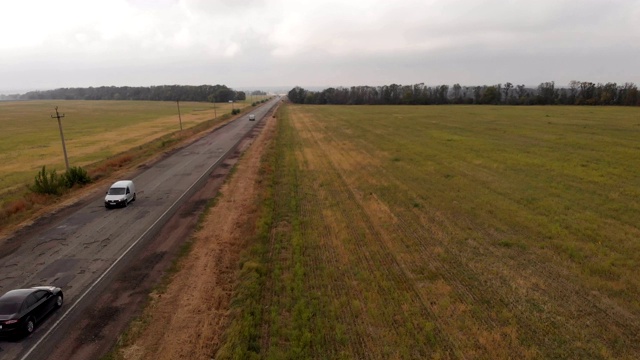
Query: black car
x,y
21,309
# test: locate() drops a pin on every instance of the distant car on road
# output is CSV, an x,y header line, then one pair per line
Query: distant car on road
x,y
121,193
252,117
22,309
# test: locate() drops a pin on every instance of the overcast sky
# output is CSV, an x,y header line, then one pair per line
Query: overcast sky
x,y
252,43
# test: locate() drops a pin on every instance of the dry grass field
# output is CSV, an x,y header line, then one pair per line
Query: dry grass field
x,y
400,232
93,130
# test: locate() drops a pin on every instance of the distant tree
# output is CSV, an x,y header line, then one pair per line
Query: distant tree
x,y
547,93
573,92
392,94
587,93
522,94
477,94
224,94
490,95
372,95
457,93
441,94
407,97
420,94
628,95
506,89
607,93
309,97
297,95
328,96
341,96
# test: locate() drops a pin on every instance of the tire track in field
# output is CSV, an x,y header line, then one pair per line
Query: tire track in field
x,y
280,250
554,287
401,265
370,256
568,297
334,289
452,273
309,230
373,254
331,256
500,297
573,303
329,252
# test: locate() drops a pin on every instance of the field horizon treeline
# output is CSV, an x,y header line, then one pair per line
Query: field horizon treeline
x,y
202,93
547,93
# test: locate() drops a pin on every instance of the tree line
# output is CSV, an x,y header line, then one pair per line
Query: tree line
x,y
217,93
547,93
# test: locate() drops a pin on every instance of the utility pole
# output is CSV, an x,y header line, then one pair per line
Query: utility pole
x,y
214,110
64,148
179,116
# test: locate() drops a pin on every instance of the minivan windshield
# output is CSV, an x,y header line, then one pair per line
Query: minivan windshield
x,y
116,191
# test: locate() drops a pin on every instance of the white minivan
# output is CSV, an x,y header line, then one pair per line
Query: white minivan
x,y
121,193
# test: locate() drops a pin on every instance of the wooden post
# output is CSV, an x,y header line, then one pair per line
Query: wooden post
x,y
64,148
179,116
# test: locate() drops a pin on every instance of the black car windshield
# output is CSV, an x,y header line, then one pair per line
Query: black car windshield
x,y
116,191
9,307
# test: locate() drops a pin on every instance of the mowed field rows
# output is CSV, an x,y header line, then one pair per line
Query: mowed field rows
x,y
448,232
93,131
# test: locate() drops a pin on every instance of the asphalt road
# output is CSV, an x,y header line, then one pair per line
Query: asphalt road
x,y
81,252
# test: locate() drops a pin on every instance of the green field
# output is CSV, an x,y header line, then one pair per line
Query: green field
x,y
473,232
93,131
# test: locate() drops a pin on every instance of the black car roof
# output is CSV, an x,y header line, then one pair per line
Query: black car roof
x,y
17,294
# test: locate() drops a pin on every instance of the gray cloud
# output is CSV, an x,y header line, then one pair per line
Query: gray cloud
x,y
324,43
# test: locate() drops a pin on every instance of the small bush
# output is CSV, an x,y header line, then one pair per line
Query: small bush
x,y
76,175
47,182
168,142
235,111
